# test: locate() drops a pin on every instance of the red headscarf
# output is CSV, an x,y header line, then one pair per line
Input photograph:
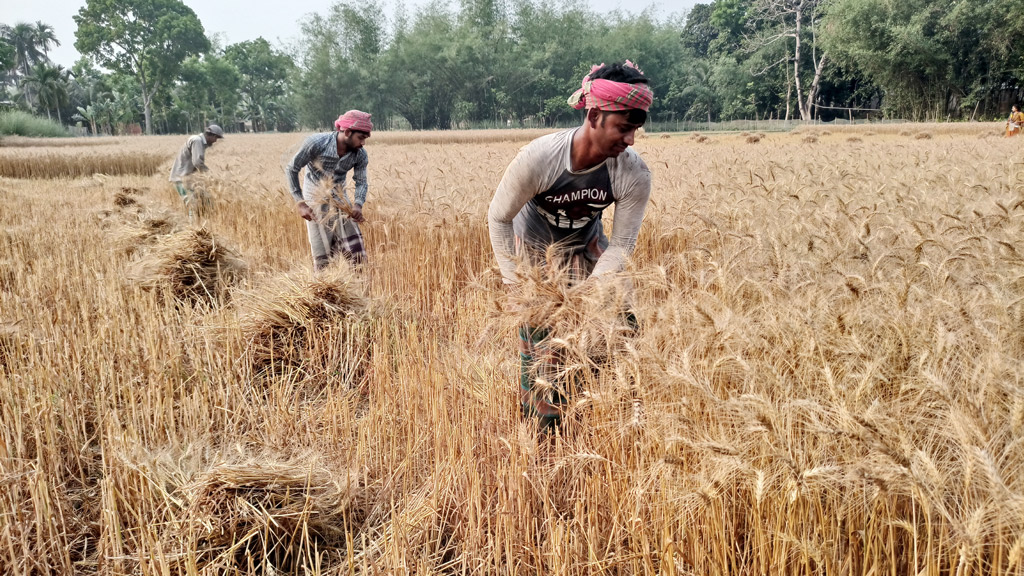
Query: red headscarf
x,y
354,120
610,95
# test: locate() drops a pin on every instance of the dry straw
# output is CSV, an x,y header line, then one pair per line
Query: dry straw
x,y
51,166
265,516
191,266
141,230
587,327
14,344
319,325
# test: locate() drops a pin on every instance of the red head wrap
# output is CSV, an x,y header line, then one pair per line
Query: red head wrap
x,y
610,95
354,120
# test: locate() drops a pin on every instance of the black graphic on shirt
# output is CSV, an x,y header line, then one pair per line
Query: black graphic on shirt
x,y
575,200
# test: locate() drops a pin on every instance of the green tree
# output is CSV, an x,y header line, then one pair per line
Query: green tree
x,y
147,39
898,46
44,37
342,66
793,23
22,37
49,84
264,74
699,32
89,114
6,55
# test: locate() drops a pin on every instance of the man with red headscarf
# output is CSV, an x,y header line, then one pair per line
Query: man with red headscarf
x,y
553,194
331,219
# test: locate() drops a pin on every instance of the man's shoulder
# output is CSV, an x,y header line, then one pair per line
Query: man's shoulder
x,y
632,160
630,163
547,146
320,137
552,139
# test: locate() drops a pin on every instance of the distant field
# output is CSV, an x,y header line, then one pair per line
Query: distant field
x,y
827,378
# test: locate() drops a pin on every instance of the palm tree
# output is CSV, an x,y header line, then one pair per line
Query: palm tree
x,y
26,52
50,84
699,90
44,37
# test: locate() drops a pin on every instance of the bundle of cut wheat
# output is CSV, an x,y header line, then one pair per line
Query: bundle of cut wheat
x,y
319,325
584,324
143,230
192,266
265,517
126,197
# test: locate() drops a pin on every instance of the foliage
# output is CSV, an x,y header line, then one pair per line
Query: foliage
x,y
489,63
147,39
934,59
263,74
49,86
19,123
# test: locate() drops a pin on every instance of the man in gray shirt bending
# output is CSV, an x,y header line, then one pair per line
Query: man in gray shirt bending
x,y
554,192
191,159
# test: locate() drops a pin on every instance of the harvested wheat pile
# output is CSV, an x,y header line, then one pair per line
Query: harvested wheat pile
x,y
123,200
274,517
191,266
319,325
143,230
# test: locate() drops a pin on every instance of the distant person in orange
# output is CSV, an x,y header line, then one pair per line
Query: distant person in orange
x,y
1015,122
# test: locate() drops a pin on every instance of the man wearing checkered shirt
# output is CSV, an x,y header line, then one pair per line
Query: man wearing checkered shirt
x,y
332,221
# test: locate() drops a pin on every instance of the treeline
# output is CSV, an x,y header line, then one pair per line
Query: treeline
x,y
474,63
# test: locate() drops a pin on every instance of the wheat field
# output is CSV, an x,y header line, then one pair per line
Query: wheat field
x,y
827,377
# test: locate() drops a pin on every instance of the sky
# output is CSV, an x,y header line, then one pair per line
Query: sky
x,y
240,20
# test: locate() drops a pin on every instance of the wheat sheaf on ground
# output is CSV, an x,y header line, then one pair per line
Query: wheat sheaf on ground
x,y
321,325
826,378
191,266
263,514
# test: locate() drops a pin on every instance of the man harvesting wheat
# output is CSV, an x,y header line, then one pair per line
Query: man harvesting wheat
x,y
190,160
332,221
554,192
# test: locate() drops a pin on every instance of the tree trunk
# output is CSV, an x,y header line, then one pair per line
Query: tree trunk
x,y
812,94
147,102
805,114
789,91
149,114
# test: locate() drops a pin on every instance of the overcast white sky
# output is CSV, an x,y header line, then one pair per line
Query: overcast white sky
x,y
238,20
